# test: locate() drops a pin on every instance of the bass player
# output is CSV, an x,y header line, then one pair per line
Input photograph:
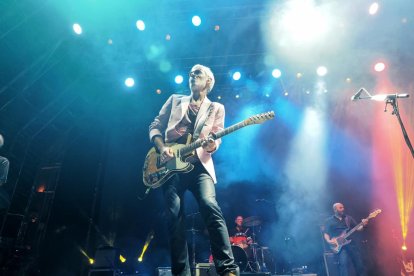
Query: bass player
x,y
334,227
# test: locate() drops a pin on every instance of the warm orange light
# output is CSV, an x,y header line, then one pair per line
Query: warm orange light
x,y
41,188
403,179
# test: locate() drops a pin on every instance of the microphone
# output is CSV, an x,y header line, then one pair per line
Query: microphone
x,y
386,97
357,94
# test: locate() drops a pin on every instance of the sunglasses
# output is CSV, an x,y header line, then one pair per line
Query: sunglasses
x,y
194,73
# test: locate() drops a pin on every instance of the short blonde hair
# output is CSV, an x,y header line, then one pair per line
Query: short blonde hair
x,y
209,73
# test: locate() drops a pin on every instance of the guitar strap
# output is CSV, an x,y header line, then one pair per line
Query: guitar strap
x,y
202,121
347,222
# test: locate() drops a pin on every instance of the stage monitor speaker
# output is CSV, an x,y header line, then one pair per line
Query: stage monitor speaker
x,y
164,271
255,274
296,274
106,257
206,269
102,272
331,264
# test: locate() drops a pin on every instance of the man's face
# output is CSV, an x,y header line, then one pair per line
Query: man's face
x,y
198,79
239,221
340,209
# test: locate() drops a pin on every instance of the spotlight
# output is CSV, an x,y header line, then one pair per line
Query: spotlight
x,y
299,75
168,37
321,71
373,8
276,73
196,20
219,97
179,79
379,66
237,96
140,259
286,94
77,28
91,261
158,91
348,80
140,25
129,82
110,41
404,247
236,75
122,259
217,28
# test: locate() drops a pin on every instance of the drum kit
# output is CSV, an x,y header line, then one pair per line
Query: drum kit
x,y
248,254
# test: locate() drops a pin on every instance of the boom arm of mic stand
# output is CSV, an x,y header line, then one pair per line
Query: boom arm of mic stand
x,y
396,112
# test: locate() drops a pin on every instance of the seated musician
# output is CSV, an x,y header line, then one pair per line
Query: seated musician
x,y
239,234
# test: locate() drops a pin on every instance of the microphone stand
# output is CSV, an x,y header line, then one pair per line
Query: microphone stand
x,y
396,112
193,244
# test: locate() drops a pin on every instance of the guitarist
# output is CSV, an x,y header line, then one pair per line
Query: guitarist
x,y
179,117
334,227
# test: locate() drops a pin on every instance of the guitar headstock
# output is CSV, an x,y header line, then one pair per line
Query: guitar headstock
x,y
259,118
375,213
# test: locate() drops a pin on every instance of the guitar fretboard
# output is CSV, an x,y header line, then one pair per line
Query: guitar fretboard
x,y
196,144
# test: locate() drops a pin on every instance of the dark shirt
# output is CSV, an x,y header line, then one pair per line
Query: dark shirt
x,y
334,226
186,126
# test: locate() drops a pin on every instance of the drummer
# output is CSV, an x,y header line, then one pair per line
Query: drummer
x,y
239,235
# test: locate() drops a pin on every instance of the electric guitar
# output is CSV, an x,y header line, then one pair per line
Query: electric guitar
x,y
341,240
156,173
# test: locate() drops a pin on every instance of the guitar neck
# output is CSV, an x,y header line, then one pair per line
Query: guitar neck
x,y
196,144
354,229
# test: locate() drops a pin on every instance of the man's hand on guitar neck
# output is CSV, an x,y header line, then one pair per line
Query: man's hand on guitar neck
x,y
364,223
209,144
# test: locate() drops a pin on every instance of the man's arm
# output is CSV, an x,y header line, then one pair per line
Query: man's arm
x,y
364,223
328,238
160,123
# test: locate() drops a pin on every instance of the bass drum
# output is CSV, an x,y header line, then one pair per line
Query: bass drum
x,y
240,257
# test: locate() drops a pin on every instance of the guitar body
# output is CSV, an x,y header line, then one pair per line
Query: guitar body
x,y
340,242
155,173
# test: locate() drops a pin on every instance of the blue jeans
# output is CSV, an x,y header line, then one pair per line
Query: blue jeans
x,y
201,185
351,251
4,169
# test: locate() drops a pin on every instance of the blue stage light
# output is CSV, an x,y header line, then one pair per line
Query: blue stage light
x,y
236,75
196,20
77,28
179,79
321,71
129,82
140,25
276,73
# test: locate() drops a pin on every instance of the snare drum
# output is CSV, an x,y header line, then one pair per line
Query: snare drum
x,y
240,241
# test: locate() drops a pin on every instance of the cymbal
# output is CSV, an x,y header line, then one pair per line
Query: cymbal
x,y
252,221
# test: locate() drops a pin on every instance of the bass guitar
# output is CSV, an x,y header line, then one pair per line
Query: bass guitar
x,y
156,173
341,240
